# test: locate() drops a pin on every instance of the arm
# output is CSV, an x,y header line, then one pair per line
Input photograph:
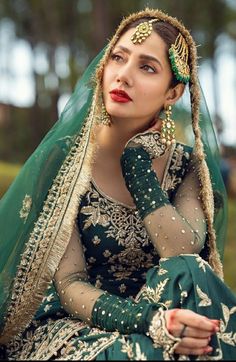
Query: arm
x,y
101,309
92,305
76,294
174,228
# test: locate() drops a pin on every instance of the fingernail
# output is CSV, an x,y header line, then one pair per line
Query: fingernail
x,y
208,349
216,321
215,330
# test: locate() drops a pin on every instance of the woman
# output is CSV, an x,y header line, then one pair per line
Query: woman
x,y
115,215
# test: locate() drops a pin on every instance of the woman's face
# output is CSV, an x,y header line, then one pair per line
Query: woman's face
x,y
143,72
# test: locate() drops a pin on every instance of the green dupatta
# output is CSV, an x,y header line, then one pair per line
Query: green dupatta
x,y
38,211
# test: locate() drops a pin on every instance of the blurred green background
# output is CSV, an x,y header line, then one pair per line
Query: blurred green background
x,y
46,45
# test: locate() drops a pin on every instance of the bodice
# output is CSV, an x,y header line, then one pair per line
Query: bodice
x,y
118,250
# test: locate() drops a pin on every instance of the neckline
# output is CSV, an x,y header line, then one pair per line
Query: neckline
x,y
129,207
111,198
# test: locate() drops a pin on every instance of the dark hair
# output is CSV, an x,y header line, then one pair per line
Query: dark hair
x,y
166,31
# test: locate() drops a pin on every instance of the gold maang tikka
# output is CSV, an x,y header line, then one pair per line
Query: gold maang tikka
x,y
142,31
178,52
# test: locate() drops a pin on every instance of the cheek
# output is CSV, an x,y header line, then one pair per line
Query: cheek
x,y
108,76
152,93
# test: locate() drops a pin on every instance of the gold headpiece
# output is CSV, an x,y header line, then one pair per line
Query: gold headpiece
x,y
142,31
178,52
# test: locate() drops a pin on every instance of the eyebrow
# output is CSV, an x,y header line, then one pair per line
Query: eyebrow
x,y
142,56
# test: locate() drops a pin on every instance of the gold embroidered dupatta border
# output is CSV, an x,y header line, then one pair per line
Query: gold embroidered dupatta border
x,y
50,236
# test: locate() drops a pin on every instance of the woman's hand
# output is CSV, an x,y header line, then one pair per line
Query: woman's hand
x,y
194,330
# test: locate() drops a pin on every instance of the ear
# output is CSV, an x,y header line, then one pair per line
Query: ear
x,y
173,94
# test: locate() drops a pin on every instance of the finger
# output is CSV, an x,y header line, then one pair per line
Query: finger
x,y
196,333
195,351
197,321
188,342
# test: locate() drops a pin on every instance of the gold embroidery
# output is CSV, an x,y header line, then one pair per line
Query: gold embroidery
x,y
202,263
107,253
128,261
132,350
26,207
162,271
205,300
96,240
151,294
82,350
95,216
227,337
32,275
98,284
123,225
43,341
122,288
172,180
161,337
150,142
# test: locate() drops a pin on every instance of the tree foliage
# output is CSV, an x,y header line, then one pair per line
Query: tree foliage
x,y
79,29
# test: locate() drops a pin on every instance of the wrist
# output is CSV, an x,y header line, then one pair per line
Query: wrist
x,y
141,181
112,313
160,335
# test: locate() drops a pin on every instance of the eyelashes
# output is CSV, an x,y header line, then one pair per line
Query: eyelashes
x,y
143,66
148,68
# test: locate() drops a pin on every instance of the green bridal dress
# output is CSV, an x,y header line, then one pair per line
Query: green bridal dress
x,y
121,259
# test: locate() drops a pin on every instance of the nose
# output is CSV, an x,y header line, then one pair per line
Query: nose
x,y
125,74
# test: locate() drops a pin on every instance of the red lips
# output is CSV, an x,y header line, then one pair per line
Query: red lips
x,y
119,95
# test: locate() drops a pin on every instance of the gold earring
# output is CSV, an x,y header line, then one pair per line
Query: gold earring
x,y
168,128
105,117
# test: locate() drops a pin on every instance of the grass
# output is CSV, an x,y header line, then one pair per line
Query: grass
x,y
230,248
9,171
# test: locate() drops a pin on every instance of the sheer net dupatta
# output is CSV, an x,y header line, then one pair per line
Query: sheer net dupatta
x,y
214,193
37,213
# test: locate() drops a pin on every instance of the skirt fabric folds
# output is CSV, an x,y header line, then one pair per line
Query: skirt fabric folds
x,y
184,281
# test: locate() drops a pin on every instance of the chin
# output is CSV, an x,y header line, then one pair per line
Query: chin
x,y
118,113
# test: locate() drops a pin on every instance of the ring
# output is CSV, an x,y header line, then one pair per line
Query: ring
x,y
182,332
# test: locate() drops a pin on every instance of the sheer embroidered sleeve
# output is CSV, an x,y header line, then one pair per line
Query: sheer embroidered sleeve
x,y
175,226
76,294
95,306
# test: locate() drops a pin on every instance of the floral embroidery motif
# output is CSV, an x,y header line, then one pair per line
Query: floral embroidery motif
x,y
173,179
123,224
224,336
26,207
96,240
205,300
131,250
202,263
162,271
154,295
122,288
132,350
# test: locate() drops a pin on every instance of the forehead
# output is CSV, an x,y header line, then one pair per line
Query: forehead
x,y
153,45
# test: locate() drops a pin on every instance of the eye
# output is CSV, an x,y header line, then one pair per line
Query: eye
x,y
147,68
116,57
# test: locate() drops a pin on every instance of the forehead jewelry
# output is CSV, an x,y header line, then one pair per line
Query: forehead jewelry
x,y
142,31
178,54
